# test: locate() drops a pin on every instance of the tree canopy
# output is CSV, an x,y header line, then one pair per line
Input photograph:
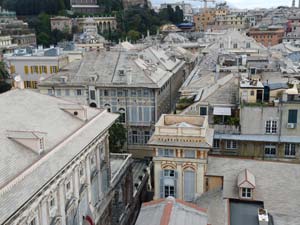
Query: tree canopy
x,y
117,137
4,75
35,7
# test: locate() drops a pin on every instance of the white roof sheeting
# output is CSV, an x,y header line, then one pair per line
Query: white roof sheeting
x,y
222,111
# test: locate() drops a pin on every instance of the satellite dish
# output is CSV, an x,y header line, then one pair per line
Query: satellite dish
x,y
18,78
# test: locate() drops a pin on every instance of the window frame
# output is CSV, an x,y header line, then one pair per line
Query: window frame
x,y
290,148
246,193
270,147
232,146
165,152
271,127
190,151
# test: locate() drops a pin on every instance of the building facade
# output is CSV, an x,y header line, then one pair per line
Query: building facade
x,y
84,6
37,65
268,129
268,36
62,23
62,172
103,23
204,19
140,85
180,146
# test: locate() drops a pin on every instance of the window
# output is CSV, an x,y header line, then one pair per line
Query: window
x,y
248,45
92,95
33,221
252,93
147,136
49,91
81,171
169,191
292,116
122,118
12,69
235,45
93,160
52,202
231,144
105,92
166,153
133,93
189,185
203,111
135,137
290,149
216,143
78,92
34,69
58,92
68,185
190,154
271,126
246,192
270,150
43,69
53,69
169,173
67,92
26,70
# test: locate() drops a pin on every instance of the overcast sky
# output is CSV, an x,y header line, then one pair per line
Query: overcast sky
x,y
239,3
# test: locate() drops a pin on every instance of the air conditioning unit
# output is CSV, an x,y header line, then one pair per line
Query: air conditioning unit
x,y
291,126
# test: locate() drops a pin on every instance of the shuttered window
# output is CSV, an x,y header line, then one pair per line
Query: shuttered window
x,y
189,185
293,113
26,70
168,183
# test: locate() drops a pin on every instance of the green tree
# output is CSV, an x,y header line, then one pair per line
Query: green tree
x,y
43,39
4,76
133,35
117,137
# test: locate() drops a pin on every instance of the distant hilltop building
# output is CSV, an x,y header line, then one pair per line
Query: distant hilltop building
x,y
130,3
185,7
85,6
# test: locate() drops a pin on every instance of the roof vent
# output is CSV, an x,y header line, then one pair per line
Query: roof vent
x,y
121,73
93,78
75,110
34,140
63,79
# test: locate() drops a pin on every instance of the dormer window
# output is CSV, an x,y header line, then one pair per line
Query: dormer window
x,y
246,184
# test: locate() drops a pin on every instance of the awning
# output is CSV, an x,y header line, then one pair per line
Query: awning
x,y
222,111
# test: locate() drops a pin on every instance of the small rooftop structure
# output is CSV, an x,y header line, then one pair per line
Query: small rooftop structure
x,y
170,129
171,211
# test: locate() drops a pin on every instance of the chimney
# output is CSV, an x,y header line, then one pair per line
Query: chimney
x,y
263,216
18,82
148,32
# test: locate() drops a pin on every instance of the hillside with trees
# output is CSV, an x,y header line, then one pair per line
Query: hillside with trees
x,y
132,23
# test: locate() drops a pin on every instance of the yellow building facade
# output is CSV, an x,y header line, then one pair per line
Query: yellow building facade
x,y
180,146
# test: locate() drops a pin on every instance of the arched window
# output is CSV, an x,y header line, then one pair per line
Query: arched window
x,y
122,118
107,106
93,105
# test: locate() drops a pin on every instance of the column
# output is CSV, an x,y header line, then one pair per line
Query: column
x,y
61,202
